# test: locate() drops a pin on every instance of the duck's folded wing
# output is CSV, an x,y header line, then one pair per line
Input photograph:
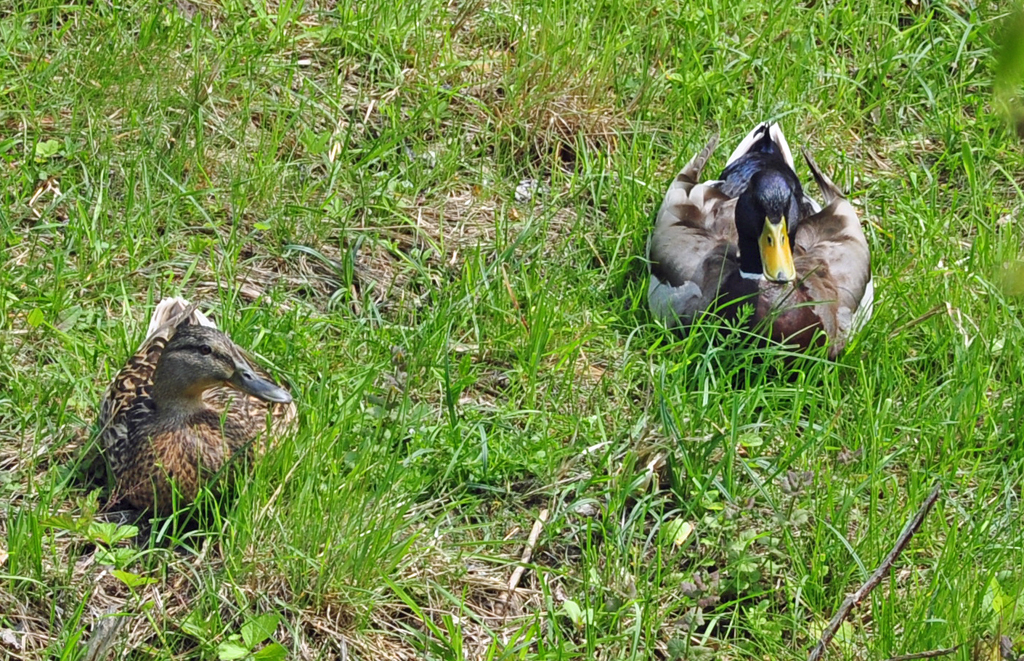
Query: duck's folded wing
x,y
833,255
129,387
138,371
692,249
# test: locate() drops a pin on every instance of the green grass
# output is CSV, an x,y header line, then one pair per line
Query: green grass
x,y
336,185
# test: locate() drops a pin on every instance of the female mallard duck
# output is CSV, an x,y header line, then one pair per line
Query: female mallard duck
x,y
185,403
719,244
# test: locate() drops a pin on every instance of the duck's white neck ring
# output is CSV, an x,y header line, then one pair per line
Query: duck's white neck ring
x,y
750,276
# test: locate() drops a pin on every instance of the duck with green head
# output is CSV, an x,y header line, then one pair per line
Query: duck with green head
x,y
754,237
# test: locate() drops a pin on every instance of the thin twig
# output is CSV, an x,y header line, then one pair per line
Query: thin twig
x,y
876,578
531,544
914,322
930,654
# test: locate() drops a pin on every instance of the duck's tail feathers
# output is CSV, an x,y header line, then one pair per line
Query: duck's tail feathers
x,y
693,169
775,137
171,311
829,190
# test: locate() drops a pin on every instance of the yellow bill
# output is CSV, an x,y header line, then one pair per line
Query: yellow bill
x,y
776,255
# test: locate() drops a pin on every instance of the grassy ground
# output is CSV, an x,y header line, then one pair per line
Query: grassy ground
x,y
340,186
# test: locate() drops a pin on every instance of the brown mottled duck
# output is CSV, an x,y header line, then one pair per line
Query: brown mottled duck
x,y
185,403
754,237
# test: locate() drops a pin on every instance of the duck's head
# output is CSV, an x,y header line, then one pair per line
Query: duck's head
x,y
198,358
766,217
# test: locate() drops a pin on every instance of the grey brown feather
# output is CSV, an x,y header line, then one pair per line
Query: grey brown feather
x,y
694,258
693,247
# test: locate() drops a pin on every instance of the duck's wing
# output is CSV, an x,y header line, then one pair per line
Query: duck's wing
x,y
693,247
133,380
833,258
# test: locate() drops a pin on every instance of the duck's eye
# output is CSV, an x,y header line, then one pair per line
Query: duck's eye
x,y
206,350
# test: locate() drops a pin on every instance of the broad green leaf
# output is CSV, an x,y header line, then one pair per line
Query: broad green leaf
x,y
272,652
259,628
573,610
116,557
994,598
132,580
800,517
676,532
1000,602
749,440
845,637
47,149
229,650
196,626
61,522
110,533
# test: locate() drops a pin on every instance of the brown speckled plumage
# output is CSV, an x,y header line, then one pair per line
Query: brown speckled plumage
x,y
175,436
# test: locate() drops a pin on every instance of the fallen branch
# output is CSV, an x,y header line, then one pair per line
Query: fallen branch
x,y
930,654
531,544
852,600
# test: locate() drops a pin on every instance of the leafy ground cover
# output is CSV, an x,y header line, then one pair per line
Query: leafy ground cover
x,y
429,218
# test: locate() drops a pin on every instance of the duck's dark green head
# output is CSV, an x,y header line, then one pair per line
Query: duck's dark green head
x,y
767,213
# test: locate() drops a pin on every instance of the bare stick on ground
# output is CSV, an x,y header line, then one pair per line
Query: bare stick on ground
x,y
875,578
930,654
531,544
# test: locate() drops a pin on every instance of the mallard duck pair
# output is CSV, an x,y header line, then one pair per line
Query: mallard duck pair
x,y
753,237
188,401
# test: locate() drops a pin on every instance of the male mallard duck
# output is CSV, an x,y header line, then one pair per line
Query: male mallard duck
x,y
187,401
721,243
